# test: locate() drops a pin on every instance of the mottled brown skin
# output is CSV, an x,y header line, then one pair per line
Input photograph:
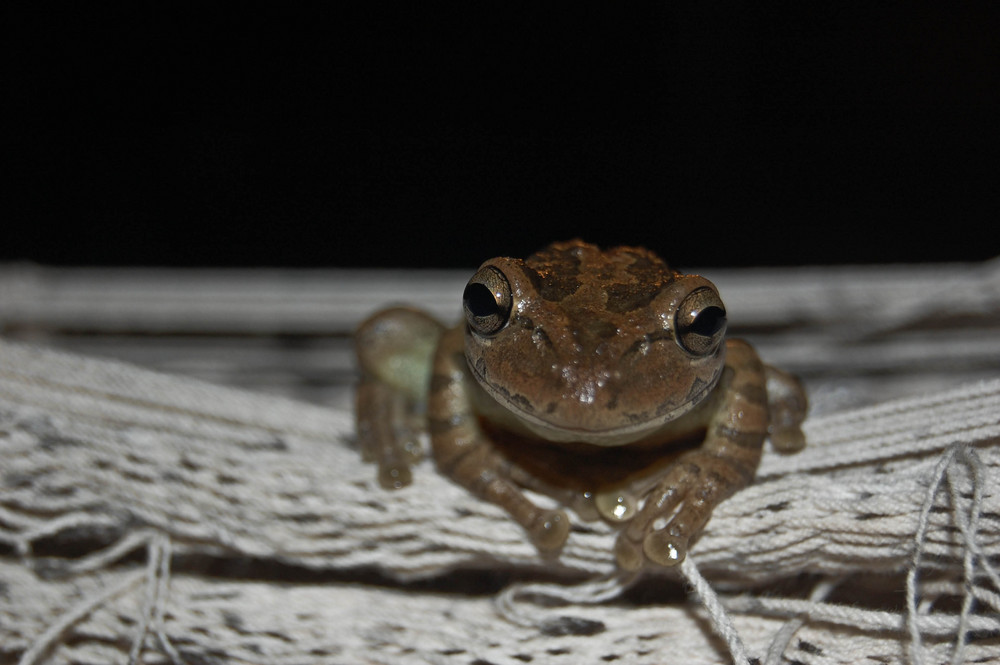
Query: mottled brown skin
x,y
601,378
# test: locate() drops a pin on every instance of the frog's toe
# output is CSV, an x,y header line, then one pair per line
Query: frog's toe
x,y
663,544
628,553
394,476
666,537
664,548
550,530
789,440
616,506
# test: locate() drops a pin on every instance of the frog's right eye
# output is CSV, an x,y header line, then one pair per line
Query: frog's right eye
x,y
701,322
487,301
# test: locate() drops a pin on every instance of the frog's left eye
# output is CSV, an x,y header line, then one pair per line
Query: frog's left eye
x,y
487,301
701,322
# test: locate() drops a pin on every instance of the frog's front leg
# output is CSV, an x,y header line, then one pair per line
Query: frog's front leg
x,y
678,507
464,452
395,349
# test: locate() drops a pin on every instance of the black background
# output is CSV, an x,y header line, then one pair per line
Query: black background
x,y
415,134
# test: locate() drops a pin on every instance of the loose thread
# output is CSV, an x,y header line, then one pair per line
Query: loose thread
x,y
48,639
157,591
784,635
968,526
590,592
152,565
156,576
721,620
163,592
849,615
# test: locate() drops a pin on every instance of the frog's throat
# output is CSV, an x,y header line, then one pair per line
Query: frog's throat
x,y
503,408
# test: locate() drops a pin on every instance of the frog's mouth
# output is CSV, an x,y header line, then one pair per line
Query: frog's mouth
x,y
515,412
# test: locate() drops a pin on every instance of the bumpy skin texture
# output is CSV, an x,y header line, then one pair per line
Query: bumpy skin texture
x,y
601,378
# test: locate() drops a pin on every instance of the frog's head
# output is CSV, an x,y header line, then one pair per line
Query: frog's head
x,y
603,347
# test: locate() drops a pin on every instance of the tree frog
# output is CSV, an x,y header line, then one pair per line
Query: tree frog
x,y
601,378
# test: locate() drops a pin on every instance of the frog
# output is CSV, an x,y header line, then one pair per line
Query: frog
x,y
602,378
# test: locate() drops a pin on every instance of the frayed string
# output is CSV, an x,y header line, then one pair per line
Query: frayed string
x,y
721,621
968,524
156,576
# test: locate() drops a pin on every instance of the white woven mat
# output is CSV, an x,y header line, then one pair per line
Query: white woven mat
x,y
107,454
154,518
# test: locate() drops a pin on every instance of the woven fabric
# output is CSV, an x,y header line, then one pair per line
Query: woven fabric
x,y
879,542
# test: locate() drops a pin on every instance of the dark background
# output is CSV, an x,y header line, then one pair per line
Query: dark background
x,y
414,134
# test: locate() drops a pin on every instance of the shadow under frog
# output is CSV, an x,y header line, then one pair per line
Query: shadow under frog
x,y
600,378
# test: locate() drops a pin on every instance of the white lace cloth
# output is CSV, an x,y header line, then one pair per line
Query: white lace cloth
x,y
99,460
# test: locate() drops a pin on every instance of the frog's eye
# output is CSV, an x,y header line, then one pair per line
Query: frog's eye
x,y
701,322
487,301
